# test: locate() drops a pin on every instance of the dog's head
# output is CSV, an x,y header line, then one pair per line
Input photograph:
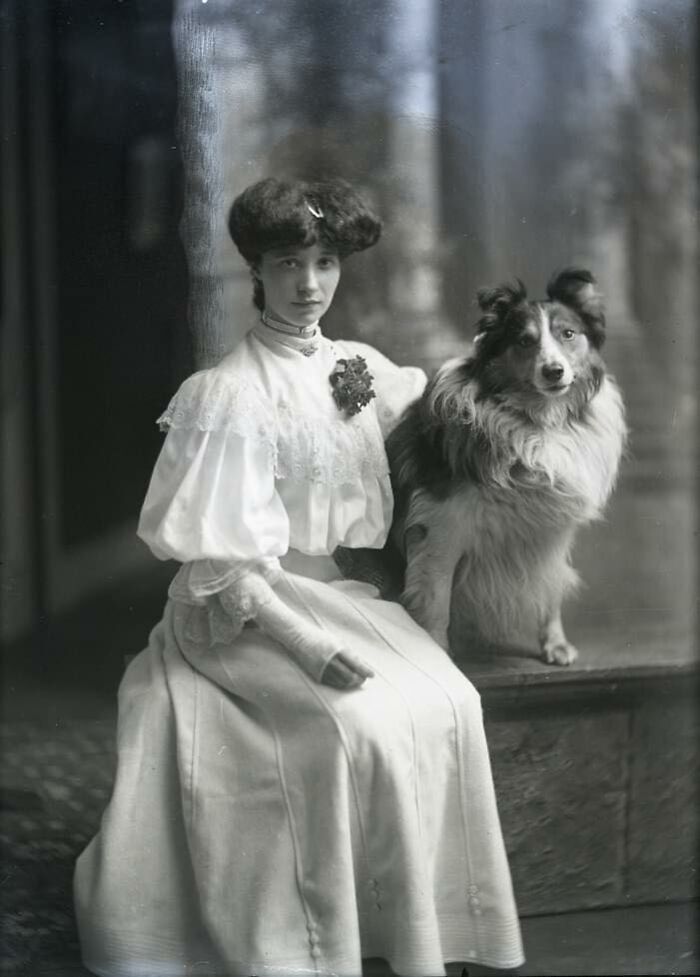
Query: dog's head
x,y
542,350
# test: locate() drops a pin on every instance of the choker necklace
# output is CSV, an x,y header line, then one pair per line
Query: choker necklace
x,y
302,332
302,339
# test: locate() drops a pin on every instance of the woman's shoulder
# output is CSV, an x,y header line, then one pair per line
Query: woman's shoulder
x,y
395,386
221,397
378,361
353,347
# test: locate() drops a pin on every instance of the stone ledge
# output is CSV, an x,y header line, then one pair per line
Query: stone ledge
x,y
596,771
607,661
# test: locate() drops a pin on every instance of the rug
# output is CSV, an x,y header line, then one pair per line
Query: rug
x,y
55,781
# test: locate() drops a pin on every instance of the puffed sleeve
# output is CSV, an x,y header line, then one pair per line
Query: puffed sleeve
x,y
395,386
211,502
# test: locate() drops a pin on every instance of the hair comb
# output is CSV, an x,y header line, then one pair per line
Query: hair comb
x,y
314,210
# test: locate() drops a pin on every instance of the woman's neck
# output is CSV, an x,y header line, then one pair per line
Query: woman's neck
x,y
279,325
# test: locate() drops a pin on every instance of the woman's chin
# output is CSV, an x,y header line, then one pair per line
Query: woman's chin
x,y
305,315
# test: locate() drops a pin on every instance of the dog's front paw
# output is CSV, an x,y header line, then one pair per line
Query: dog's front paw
x,y
559,653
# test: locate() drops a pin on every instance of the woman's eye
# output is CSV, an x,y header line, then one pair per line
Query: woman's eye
x,y
327,263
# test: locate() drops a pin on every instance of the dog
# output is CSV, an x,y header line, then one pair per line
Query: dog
x,y
505,455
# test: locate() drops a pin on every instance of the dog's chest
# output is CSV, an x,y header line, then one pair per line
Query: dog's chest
x,y
555,459
530,505
552,478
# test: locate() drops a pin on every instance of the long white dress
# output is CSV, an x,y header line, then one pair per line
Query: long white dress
x,y
261,822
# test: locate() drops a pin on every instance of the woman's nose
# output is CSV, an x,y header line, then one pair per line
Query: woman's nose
x,y
307,281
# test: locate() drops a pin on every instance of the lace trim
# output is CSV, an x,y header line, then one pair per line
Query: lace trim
x,y
300,449
225,614
243,600
200,579
210,625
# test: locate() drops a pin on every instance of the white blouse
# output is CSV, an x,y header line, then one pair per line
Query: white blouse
x,y
258,460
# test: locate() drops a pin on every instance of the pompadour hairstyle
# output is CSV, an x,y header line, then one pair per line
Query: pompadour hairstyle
x,y
277,214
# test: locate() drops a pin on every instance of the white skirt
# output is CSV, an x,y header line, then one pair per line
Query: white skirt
x,y
262,823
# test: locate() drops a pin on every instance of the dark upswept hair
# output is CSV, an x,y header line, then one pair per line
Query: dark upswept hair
x,y
277,214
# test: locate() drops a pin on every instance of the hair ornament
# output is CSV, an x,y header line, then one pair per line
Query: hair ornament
x,y
314,210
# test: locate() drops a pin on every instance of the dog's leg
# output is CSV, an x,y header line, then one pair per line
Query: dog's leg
x,y
556,649
430,569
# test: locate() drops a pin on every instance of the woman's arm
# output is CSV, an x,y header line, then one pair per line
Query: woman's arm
x,y
212,505
253,597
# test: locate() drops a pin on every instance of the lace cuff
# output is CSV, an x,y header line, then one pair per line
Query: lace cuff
x,y
244,599
196,581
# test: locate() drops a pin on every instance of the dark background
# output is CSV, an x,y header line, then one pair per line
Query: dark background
x,y
94,313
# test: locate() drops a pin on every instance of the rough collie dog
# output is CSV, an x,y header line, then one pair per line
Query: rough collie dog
x,y
505,455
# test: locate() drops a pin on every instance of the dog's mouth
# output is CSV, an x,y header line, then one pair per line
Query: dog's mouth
x,y
553,389
553,385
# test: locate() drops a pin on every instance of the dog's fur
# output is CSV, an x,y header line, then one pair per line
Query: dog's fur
x,y
505,455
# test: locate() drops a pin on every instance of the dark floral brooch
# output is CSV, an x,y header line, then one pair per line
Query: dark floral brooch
x,y
352,385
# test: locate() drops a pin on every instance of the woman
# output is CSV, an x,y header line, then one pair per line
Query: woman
x,y
303,779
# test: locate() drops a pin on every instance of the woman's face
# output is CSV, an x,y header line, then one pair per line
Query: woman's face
x,y
299,283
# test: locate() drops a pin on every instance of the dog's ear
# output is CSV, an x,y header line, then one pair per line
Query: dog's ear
x,y
497,301
577,288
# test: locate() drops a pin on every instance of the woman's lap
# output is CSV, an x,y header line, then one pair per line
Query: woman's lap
x,y
298,805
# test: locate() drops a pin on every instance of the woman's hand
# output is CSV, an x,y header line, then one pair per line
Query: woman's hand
x,y
346,671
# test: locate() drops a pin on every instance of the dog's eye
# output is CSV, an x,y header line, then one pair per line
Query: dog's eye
x,y
567,334
527,340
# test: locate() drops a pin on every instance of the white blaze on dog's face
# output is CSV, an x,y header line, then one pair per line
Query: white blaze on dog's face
x,y
549,347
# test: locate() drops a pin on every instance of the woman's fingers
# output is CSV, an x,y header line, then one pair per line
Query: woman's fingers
x,y
339,676
356,664
345,671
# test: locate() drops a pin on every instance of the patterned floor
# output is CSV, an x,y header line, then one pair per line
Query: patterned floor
x,y
55,780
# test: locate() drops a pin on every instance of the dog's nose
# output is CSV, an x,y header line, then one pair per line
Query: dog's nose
x,y
553,372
